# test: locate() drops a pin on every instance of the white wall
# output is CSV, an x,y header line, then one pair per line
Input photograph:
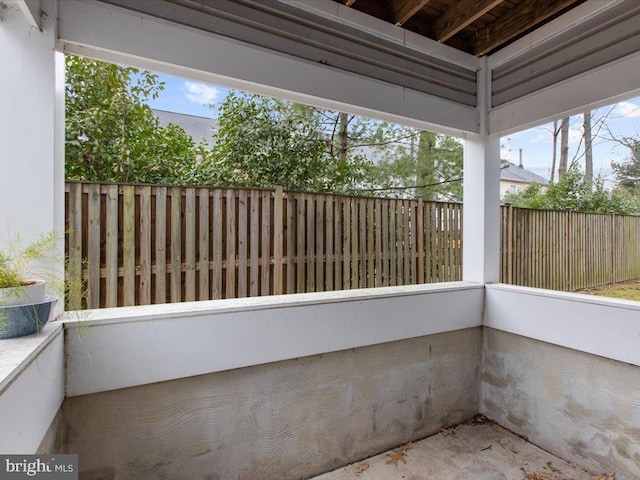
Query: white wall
x,y
31,199
117,348
31,388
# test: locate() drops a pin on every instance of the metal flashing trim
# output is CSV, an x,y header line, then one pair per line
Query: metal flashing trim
x,y
604,38
300,33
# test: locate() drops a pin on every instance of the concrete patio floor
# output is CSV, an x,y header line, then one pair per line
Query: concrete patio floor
x,y
471,451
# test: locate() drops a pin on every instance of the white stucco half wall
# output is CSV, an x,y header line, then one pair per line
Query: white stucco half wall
x,y
118,348
601,326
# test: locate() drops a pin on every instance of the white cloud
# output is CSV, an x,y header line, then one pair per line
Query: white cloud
x,y
200,93
575,134
543,139
627,110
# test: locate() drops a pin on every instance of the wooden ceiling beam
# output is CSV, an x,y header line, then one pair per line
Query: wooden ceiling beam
x,y
403,10
516,21
460,15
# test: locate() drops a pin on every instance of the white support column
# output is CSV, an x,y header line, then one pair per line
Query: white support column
x,y
481,227
31,203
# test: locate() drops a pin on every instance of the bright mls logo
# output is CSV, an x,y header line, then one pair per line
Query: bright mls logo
x,y
51,467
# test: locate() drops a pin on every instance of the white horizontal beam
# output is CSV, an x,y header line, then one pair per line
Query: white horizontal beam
x,y
117,348
615,81
118,35
606,327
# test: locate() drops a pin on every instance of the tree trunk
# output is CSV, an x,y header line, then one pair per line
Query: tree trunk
x,y
555,149
588,152
343,139
564,148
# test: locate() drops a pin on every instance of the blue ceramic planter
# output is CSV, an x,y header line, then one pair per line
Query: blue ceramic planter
x,y
20,320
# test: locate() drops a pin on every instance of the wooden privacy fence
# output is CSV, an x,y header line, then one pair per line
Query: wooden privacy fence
x,y
136,245
564,250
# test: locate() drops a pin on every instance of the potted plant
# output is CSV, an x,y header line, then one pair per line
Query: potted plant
x,y
24,273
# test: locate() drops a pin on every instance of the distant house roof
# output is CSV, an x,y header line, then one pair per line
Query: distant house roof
x,y
196,127
515,173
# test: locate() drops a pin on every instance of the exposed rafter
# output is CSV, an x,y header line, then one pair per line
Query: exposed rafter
x,y
460,15
477,27
518,20
403,10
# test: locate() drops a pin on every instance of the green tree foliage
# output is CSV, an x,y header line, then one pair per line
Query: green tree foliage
x,y
429,163
112,135
263,141
574,192
628,172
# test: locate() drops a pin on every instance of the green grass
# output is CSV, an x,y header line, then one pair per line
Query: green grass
x,y
627,290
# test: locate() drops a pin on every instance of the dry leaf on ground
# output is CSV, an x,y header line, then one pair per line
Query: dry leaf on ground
x,y
407,446
448,431
604,476
480,418
551,467
395,457
536,475
362,468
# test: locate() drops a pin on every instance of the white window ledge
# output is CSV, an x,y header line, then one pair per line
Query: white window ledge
x,y
16,354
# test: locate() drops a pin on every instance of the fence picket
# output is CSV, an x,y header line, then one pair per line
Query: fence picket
x,y
190,245
278,240
355,247
203,245
217,242
93,246
111,247
74,220
144,286
338,244
243,200
129,244
230,247
328,228
161,245
346,242
291,224
254,241
301,242
265,254
311,242
319,251
176,246
362,224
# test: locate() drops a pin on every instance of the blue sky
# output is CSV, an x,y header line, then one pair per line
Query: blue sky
x,y
186,96
623,119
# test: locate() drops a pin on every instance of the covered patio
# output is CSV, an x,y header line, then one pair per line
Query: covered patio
x,y
294,386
